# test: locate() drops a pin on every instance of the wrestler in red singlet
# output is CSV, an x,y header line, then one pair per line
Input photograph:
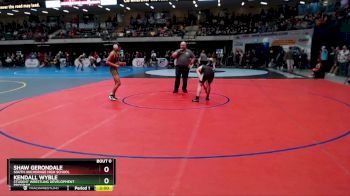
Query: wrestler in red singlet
x,y
114,64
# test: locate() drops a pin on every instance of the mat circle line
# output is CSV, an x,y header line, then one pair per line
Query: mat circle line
x,y
23,85
124,100
176,157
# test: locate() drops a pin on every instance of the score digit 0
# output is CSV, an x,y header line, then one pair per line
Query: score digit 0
x,y
106,180
106,169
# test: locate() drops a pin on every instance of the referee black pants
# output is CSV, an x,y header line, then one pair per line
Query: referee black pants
x,y
181,71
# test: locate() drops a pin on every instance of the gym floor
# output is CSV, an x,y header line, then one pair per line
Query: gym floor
x,y
261,135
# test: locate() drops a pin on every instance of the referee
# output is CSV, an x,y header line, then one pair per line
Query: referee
x,y
184,59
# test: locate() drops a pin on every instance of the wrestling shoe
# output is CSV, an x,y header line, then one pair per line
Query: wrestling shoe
x,y
112,98
195,100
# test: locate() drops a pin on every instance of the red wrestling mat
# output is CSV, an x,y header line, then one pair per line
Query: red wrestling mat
x,y
255,137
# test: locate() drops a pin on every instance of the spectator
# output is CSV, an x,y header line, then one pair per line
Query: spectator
x,y
272,64
202,57
247,59
343,59
324,57
335,67
331,56
280,58
302,59
57,60
238,57
290,60
9,61
254,59
128,59
230,60
154,60
68,59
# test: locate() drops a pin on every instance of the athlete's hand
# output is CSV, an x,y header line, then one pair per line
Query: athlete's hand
x,y
200,77
122,64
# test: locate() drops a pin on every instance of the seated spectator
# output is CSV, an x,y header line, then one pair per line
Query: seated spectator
x,y
318,71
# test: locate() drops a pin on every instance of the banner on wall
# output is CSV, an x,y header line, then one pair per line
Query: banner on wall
x,y
140,62
299,38
162,62
284,42
31,63
20,6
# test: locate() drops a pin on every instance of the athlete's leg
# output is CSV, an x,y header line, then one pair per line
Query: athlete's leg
x,y
199,90
117,83
208,87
